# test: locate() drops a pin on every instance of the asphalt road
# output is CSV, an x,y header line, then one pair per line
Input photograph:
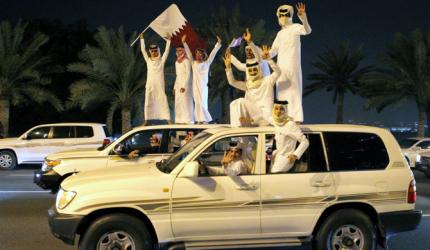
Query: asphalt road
x,y
23,216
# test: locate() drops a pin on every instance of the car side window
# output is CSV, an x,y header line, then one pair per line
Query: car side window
x,y
39,133
312,161
178,137
355,151
424,145
62,132
146,142
229,156
84,132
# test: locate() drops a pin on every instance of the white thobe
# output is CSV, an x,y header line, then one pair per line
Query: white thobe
x,y
242,66
286,137
289,87
257,103
156,105
200,84
234,168
183,101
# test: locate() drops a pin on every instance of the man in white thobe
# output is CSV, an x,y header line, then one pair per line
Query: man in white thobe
x,y
287,47
182,88
256,106
156,105
200,66
287,134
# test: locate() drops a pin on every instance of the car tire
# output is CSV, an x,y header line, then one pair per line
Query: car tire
x,y
346,229
7,160
116,230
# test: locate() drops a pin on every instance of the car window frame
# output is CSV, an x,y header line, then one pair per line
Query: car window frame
x,y
112,153
258,157
323,145
89,126
49,133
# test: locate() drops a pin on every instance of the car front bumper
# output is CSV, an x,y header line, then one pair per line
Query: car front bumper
x,y
63,226
47,179
399,221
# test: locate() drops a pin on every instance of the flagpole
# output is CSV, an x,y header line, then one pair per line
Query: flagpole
x,y
137,38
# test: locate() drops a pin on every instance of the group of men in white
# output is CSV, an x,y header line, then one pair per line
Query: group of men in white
x,y
266,93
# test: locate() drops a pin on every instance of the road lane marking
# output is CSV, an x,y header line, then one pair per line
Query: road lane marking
x,y
29,191
21,175
426,215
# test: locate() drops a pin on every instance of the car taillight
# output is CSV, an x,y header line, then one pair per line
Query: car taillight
x,y
412,192
106,142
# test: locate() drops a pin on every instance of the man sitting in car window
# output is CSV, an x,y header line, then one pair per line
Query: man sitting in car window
x,y
154,142
232,163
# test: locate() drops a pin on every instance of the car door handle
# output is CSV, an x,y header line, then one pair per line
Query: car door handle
x,y
246,187
320,184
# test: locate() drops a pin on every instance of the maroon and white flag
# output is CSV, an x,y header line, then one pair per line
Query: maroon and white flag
x,y
172,22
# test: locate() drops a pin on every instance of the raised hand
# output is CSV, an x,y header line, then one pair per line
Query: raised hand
x,y
291,158
184,38
247,35
301,9
265,52
218,39
227,59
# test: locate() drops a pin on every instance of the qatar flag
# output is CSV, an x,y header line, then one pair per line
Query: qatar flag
x,y
173,23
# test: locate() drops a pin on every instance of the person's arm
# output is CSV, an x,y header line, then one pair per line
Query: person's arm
x,y
213,53
301,13
275,46
256,50
166,51
240,66
143,48
298,135
188,51
233,82
276,72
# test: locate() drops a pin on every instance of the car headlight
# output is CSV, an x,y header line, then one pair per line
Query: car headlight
x,y
49,164
64,198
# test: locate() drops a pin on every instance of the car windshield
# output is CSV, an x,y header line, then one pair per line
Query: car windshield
x,y
407,143
169,164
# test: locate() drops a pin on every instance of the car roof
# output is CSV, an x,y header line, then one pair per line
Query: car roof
x,y
419,138
304,127
72,124
181,126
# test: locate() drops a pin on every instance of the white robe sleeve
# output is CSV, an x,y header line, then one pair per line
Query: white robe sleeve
x,y
143,49
276,72
188,52
239,65
275,47
213,53
166,52
296,133
233,82
305,28
257,51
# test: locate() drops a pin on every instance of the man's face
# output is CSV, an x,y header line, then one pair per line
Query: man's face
x,y
249,53
153,53
236,153
199,55
285,15
154,141
180,51
279,110
253,71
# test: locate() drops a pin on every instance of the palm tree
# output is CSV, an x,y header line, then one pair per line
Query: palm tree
x,y
406,76
229,24
114,75
340,72
22,74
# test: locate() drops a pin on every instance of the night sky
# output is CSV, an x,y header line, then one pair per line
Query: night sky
x,y
368,23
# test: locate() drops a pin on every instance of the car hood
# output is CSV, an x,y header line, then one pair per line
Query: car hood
x,y
125,174
75,153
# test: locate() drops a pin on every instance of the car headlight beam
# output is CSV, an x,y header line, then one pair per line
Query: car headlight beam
x,y
64,198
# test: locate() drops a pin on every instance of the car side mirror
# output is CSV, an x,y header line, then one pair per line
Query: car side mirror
x,y
118,149
416,148
190,170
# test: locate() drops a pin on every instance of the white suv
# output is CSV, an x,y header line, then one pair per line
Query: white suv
x,y
60,165
350,190
413,148
32,146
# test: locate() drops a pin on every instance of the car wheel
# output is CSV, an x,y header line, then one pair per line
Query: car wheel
x,y
116,231
346,229
7,160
